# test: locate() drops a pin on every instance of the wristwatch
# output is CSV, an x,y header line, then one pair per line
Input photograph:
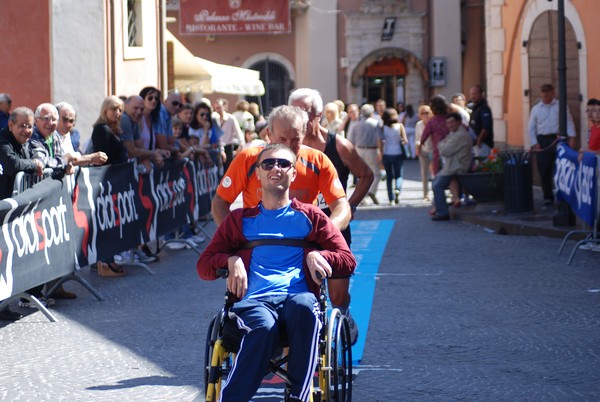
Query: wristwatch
x,y
353,208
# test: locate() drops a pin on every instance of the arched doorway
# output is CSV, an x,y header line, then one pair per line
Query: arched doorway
x,y
543,61
277,82
392,74
385,80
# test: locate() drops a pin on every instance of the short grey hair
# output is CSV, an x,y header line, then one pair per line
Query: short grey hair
x,y
290,114
313,96
367,110
20,111
65,106
50,106
4,97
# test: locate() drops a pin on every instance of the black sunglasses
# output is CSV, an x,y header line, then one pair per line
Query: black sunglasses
x,y
203,114
152,97
269,164
176,103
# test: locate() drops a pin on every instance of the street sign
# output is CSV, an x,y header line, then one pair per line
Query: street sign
x,y
437,71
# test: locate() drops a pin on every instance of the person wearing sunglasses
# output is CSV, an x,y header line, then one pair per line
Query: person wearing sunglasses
x,y
316,174
46,143
209,132
277,286
168,109
16,156
155,126
346,160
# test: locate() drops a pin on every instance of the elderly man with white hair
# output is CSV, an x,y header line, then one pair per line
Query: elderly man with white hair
x,y
66,121
364,137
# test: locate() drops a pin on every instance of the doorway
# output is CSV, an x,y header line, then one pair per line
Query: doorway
x,y
543,61
385,80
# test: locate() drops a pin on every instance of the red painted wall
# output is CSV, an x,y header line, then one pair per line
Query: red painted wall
x,y
25,56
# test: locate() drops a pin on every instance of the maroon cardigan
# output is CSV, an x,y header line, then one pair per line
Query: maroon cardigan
x,y
229,239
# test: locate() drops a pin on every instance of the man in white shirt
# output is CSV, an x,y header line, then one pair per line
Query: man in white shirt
x,y
544,135
232,134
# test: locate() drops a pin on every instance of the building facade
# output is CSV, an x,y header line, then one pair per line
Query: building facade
x,y
80,52
523,42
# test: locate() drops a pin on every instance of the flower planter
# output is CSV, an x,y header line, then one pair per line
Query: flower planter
x,y
483,186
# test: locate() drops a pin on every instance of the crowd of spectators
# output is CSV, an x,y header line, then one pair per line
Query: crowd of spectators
x,y
144,126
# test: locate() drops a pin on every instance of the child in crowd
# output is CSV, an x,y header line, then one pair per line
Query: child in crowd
x,y
187,150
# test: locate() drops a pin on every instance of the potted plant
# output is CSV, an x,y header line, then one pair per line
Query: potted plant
x,y
485,181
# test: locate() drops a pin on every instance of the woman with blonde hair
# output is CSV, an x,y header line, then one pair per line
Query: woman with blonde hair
x,y
424,152
331,118
106,137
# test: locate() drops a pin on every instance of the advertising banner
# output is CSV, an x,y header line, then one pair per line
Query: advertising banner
x,y
575,181
60,225
231,17
38,240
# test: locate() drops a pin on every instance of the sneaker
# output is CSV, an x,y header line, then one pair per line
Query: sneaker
x,y
199,238
46,302
596,248
124,257
353,328
587,246
143,257
175,245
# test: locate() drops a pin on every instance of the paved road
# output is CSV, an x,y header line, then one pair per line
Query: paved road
x,y
458,314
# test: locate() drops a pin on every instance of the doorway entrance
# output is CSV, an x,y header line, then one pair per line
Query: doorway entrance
x,y
543,61
385,80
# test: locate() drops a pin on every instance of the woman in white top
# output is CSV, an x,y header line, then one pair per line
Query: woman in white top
x,y
391,142
410,121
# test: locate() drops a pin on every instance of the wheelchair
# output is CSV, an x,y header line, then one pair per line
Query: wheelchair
x,y
333,376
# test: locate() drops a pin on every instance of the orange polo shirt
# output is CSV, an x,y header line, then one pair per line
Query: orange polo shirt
x,y
315,174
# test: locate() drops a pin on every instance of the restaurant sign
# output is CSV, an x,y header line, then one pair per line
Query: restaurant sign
x,y
231,17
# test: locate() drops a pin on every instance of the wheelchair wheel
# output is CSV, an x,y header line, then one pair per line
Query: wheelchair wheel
x,y
211,338
339,358
217,360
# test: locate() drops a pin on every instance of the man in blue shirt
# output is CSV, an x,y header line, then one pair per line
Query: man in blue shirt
x,y
277,284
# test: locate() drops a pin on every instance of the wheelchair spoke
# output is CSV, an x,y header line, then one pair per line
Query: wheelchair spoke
x,y
340,359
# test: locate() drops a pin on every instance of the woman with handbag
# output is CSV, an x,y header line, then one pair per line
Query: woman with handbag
x,y
393,151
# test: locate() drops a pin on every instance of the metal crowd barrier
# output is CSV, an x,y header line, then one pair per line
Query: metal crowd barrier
x,y
591,236
23,182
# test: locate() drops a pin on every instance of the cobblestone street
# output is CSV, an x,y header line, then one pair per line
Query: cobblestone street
x,y
459,313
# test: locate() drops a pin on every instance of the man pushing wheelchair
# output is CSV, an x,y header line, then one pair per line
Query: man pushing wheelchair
x,y
276,255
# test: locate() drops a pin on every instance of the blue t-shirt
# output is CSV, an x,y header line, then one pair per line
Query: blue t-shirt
x,y
276,270
164,123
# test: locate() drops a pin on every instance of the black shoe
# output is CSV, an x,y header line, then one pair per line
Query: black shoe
x,y
437,217
547,203
9,315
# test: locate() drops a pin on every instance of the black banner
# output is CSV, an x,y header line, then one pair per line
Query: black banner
x,y
60,225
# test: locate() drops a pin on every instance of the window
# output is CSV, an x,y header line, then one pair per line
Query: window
x,y
133,33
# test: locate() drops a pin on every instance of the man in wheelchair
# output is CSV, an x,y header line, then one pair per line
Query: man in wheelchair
x,y
276,279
